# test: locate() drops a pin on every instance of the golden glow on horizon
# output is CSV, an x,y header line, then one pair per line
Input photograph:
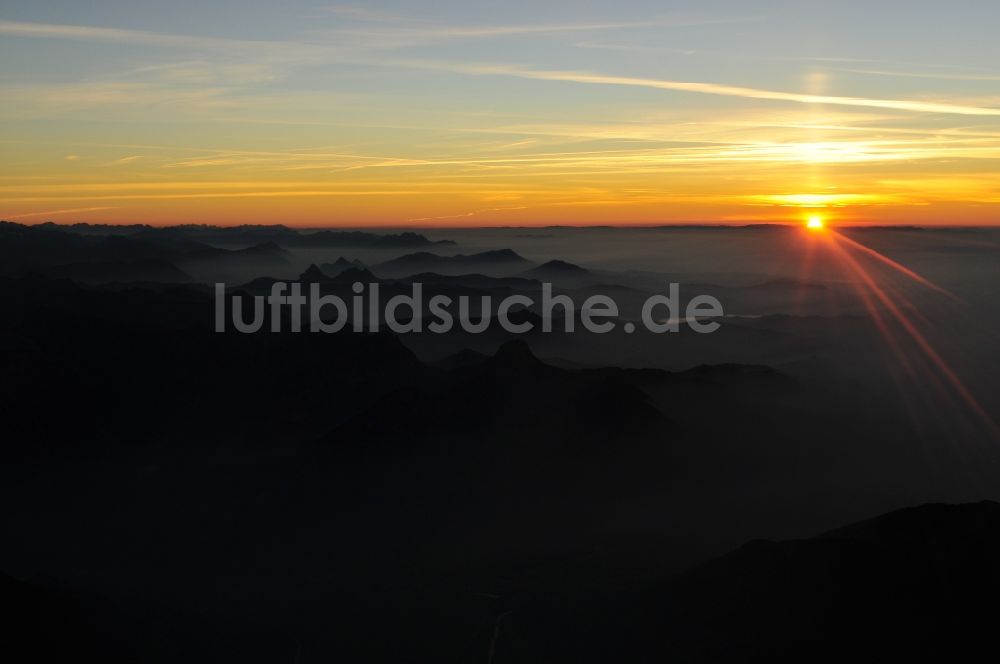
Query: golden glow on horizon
x,y
229,131
815,223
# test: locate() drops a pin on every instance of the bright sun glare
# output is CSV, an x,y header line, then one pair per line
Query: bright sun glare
x,y
814,223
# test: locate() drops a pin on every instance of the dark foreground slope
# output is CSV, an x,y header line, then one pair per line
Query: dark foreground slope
x,y
919,584
916,585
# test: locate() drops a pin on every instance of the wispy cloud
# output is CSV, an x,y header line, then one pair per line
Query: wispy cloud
x,y
402,36
358,121
360,13
207,72
432,33
708,88
470,214
52,213
64,97
636,48
388,33
122,36
938,75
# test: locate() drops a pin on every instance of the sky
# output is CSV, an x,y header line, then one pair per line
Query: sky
x,y
468,113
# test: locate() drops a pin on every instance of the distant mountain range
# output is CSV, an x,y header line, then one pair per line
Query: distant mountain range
x,y
339,265
254,234
349,275
143,256
424,261
101,254
561,273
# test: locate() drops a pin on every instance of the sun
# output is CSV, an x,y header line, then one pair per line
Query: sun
x,y
815,223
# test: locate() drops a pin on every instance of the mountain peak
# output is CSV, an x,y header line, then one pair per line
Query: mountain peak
x,y
516,354
313,273
499,254
558,269
562,266
269,246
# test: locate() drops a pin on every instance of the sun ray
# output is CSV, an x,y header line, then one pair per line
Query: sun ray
x,y
898,267
874,290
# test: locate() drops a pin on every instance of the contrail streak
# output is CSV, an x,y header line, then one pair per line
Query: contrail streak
x,y
708,88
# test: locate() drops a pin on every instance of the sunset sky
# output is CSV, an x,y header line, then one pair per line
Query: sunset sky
x,y
500,113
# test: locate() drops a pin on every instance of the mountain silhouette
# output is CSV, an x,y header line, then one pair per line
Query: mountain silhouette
x,y
119,271
285,236
498,259
918,584
341,264
479,281
313,274
557,268
158,255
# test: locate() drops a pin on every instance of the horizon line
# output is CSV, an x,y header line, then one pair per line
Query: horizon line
x,y
625,226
